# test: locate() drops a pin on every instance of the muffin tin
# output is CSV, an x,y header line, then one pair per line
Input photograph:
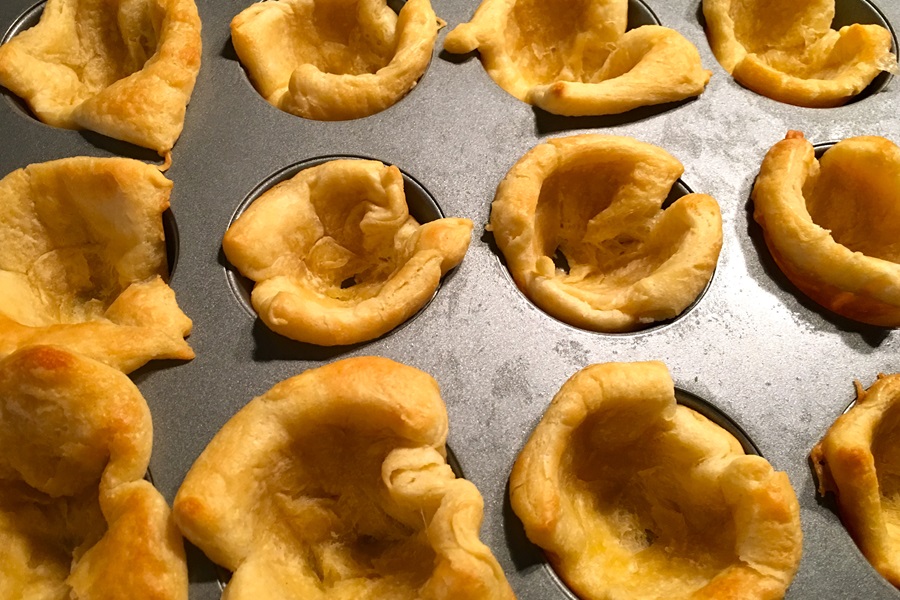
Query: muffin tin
x,y
753,347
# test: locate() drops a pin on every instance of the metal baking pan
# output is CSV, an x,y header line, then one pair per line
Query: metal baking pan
x,y
753,347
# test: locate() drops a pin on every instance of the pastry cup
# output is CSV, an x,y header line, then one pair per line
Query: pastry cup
x,y
334,60
635,497
344,221
577,59
832,224
76,517
333,484
598,200
788,52
857,461
125,69
83,259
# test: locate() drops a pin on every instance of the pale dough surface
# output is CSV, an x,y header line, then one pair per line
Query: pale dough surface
x,y
858,460
833,225
598,201
334,484
635,497
575,57
83,261
77,520
334,59
336,256
789,52
123,68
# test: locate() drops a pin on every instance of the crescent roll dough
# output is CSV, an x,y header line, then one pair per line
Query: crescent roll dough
x,y
598,200
334,59
76,518
833,224
123,68
342,221
333,484
634,497
82,256
858,461
574,57
788,51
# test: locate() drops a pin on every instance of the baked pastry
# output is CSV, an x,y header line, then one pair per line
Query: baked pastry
x,y
76,518
857,461
336,256
597,199
788,51
123,68
833,225
344,493
635,497
82,261
334,59
575,58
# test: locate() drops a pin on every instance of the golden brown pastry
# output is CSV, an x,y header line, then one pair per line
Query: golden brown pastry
x,y
858,460
123,68
833,225
634,497
597,199
76,518
341,222
333,484
575,58
82,261
334,59
788,51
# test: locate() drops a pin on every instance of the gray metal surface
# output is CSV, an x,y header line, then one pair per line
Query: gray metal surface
x,y
754,347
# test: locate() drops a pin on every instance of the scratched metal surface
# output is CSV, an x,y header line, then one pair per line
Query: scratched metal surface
x,y
753,346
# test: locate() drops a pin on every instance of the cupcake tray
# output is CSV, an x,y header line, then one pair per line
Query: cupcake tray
x,y
753,347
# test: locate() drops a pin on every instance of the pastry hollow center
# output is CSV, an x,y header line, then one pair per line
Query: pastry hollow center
x,y
794,37
860,208
600,247
347,37
42,535
326,493
659,519
112,43
362,242
558,41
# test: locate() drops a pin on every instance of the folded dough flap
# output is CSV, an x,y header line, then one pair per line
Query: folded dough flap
x,y
69,420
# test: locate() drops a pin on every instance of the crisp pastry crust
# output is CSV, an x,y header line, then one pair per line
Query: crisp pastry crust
x,y
858,462
597,199
334,484
123,68
334,59
338,222
575,58
76,518
637,498
833,225
82,261
788,51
